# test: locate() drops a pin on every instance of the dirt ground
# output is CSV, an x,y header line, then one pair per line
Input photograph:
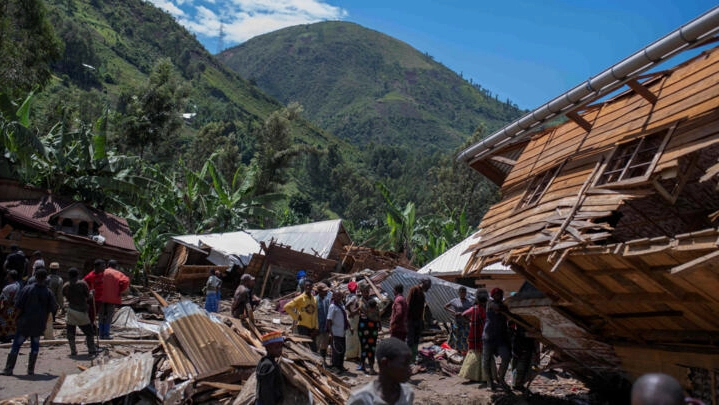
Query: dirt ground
x,y
430,387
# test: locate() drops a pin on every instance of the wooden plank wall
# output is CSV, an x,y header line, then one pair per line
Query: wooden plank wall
x,y
690,94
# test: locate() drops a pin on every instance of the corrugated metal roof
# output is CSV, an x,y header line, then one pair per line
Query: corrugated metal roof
x,y
36,213
226,249
200,345
105,382
316,238
453,261
437,296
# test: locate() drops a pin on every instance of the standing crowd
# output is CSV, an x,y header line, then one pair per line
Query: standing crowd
x,y
32,297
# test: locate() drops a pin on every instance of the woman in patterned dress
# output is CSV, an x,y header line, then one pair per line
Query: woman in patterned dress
x,y
368,328
8,313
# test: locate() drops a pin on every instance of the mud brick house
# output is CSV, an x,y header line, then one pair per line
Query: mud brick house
x,y
614,214
65,231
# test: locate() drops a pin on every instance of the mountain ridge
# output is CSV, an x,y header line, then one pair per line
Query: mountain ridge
x,y
367,87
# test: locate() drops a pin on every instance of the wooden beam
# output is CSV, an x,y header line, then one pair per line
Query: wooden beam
x,y
582,275
651,314
589,306
642,91
694,264
495,175
649,298
657,278
579,120
502,159
581,196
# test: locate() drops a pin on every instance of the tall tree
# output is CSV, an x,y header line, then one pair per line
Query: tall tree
x,y
457,187
152,114
276,148
28,45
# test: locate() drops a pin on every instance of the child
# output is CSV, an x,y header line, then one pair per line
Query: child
x,y
337,323
269,375
394,358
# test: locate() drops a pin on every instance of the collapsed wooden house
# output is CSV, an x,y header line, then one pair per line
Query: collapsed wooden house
x,y
274,256
613,215
65,231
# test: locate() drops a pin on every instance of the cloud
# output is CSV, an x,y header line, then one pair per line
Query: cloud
x,y
244,19
170,7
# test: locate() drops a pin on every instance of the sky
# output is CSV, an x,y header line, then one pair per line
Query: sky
x,y
526,51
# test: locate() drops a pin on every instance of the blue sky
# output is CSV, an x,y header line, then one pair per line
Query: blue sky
x,y
526,51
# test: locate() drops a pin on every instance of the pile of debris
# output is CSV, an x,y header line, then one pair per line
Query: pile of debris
x,y
200,358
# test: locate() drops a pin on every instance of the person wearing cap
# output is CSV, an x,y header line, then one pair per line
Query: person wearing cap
x,y
242,300
77,294
270,383
324,300
301,280
212,292
303,310
55,283
352,351
34,304
495,340
415,313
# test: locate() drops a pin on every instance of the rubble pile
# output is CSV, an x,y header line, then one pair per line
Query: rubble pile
x,y
202,358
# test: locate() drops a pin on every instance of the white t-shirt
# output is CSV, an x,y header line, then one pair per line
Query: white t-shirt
x,y
369,395
338,320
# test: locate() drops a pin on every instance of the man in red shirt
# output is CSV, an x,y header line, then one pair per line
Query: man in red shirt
x,y
108,284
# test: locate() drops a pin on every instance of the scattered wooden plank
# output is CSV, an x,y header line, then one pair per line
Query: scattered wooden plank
x,y
694,264
219,385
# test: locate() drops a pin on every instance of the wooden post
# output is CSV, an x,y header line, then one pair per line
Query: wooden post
x,y
268,270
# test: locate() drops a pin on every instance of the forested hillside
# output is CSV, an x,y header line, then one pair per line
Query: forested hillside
x,y
367,87
112,102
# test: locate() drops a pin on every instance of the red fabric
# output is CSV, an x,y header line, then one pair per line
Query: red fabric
x,y
398,320
115,282
477,316
95,281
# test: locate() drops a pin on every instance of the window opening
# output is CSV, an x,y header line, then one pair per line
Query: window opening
x,y
83,228
633,159
539,185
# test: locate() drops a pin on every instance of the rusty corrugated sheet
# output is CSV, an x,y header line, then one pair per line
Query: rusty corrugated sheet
x,y
200,345
438,295
105,382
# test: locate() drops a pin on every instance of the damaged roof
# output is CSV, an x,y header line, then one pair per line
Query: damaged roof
x,y
36,213
453,261
225,248
106,382
317,238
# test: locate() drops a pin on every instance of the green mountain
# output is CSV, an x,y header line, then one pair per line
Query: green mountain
x,y
367,87
111,47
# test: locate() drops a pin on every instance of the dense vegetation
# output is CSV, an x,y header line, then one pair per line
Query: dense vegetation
x,y
121,107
